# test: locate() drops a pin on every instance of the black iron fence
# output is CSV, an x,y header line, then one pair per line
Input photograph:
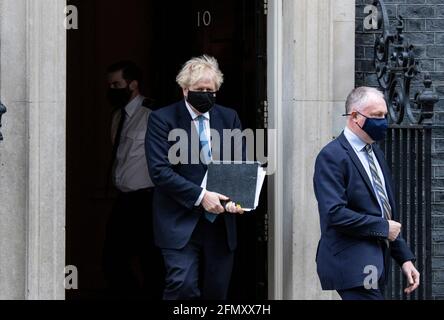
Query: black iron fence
x,y
408,153
407,148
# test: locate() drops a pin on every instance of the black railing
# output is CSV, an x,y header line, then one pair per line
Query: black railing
x,y
408,153
407,148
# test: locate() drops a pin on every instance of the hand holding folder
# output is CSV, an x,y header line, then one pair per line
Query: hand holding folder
x,y
227,203
214,203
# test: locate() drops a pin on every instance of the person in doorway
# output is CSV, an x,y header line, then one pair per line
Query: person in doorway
x,y
354,190
196,233
132,263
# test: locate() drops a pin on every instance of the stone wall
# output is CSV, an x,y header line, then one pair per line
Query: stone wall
x,y
32,156
317,74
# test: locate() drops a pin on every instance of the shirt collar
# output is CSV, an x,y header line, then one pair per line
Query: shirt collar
x,y
354,140
132,106
193,114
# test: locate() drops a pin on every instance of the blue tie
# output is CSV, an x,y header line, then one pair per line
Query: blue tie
x,y
205,153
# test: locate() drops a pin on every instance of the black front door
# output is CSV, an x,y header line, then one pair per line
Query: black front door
x,y
234,32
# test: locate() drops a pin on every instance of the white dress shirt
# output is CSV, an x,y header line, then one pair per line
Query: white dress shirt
x,y
359,148
194,117
130,167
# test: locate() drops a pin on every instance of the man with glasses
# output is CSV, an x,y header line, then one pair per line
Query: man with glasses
x,y
357,210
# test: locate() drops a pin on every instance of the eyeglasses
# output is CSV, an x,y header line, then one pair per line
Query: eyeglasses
x,y
349,114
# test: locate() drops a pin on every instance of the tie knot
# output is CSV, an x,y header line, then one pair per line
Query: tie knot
x,y
368,148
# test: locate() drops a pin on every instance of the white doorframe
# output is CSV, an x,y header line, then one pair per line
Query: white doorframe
x,y
46,104
275,182
32,182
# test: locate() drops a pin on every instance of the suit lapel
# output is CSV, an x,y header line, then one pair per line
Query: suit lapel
x,y
184,119
185,122
357,163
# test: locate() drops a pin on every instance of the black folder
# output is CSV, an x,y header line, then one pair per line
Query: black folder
x,y
236,180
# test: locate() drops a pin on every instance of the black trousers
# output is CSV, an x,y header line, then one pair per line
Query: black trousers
x,y
361,293
202,269
133,265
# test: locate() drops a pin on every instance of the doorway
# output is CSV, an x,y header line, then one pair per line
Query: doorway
x,y
159,36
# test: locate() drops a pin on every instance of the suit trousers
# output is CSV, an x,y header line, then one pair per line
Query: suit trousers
x,y
361,293
202,269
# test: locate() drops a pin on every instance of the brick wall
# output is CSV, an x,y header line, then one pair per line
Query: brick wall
x,y
425,30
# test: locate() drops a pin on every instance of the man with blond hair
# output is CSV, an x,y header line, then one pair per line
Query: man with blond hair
x,y
357,209
195,231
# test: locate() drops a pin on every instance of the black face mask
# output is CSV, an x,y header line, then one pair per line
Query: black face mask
x,y
202,101
376,128
119,97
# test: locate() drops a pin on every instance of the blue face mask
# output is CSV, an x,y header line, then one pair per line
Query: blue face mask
x,y
376,128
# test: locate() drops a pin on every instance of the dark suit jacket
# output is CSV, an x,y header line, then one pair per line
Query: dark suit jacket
x,y
178,186
352,225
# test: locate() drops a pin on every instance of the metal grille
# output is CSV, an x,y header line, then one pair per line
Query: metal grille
x,y
407,148
408,153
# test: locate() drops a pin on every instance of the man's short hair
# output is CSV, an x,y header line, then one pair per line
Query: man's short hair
x,y
359,96
194,69
130,71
